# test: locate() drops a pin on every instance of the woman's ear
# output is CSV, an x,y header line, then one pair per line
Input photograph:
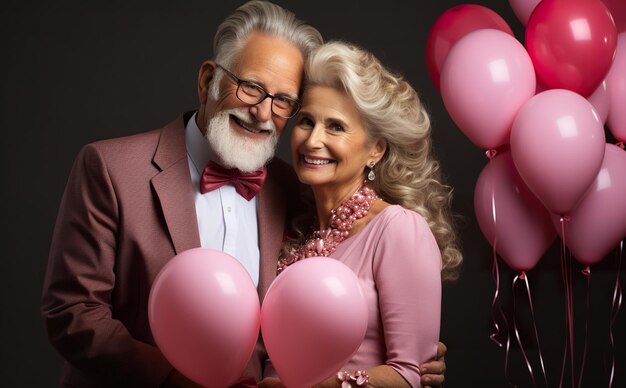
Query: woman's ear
x,y
205,75
378,150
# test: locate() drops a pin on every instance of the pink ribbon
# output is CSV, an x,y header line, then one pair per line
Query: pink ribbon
x,y
615,307
522,276
566,272
587,273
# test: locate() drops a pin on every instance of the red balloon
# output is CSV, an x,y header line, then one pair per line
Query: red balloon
x,y
571,43
451,26
522,231
618,10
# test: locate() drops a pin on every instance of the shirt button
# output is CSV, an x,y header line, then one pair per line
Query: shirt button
x,y
228,209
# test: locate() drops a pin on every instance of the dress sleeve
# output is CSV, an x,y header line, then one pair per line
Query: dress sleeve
x,y
79,282
407,272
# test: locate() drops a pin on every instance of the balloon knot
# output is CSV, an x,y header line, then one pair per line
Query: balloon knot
x,y
491,153
620,144
586,271
522,275
566,218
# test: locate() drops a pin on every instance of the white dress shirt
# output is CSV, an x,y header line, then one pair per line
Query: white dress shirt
x,y
226,221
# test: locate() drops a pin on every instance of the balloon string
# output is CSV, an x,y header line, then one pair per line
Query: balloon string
x,y
566,271
615,307
587,273
495,271
532,312
519,341
568,258
563,275
506,358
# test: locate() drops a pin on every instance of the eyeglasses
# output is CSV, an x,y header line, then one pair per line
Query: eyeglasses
x,y
252,94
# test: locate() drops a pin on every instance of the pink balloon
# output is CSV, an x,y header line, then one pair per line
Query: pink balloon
x,y
600,101
616,90
522,231
204,315
598,223
313,319
618,10
571,43
523,9
451,26
486,78
557,144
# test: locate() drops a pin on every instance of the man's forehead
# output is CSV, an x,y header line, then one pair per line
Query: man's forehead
x,y
272,62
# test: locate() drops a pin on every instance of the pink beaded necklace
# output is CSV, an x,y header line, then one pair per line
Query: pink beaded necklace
x,y
324,242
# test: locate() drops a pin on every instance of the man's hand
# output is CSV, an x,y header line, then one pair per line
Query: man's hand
x,y
433,371
271,382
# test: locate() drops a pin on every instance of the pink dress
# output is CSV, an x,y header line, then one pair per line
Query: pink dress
x,y
398,264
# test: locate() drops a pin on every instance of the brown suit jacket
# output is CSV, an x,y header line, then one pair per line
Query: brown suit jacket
x,y
127,209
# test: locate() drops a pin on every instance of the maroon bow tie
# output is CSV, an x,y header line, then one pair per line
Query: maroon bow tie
x,y
247,184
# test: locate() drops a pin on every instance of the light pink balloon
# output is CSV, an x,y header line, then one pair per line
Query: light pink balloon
x,y
598,223
204,314
616,90
600,101
557,144
313,319
523,9
485,79
522,231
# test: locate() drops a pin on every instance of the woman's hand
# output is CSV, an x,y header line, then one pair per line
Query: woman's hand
x,y
433,371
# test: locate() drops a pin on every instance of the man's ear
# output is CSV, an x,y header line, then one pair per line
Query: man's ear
x,y
205,75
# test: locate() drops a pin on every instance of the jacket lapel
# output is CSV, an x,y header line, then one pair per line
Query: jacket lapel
x,y
271,229
172,186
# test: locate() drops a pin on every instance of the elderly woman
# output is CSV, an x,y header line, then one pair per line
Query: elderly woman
x,y
362,143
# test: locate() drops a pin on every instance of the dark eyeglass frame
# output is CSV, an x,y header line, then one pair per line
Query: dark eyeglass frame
x,y
295,103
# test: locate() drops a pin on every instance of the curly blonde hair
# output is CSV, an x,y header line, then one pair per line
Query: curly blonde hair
x,y
408,174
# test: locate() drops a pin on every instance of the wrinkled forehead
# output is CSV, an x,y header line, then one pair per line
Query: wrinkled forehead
x,y
273,62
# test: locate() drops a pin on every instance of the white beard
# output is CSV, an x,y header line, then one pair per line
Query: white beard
x,y
236,151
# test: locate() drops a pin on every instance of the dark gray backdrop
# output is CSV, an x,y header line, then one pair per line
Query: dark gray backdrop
x,y
77,71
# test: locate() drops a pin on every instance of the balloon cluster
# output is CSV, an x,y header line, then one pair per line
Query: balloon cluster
x,y
205,317
540,109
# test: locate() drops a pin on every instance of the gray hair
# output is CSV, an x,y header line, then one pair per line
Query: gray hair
x,y
408,174
265,17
